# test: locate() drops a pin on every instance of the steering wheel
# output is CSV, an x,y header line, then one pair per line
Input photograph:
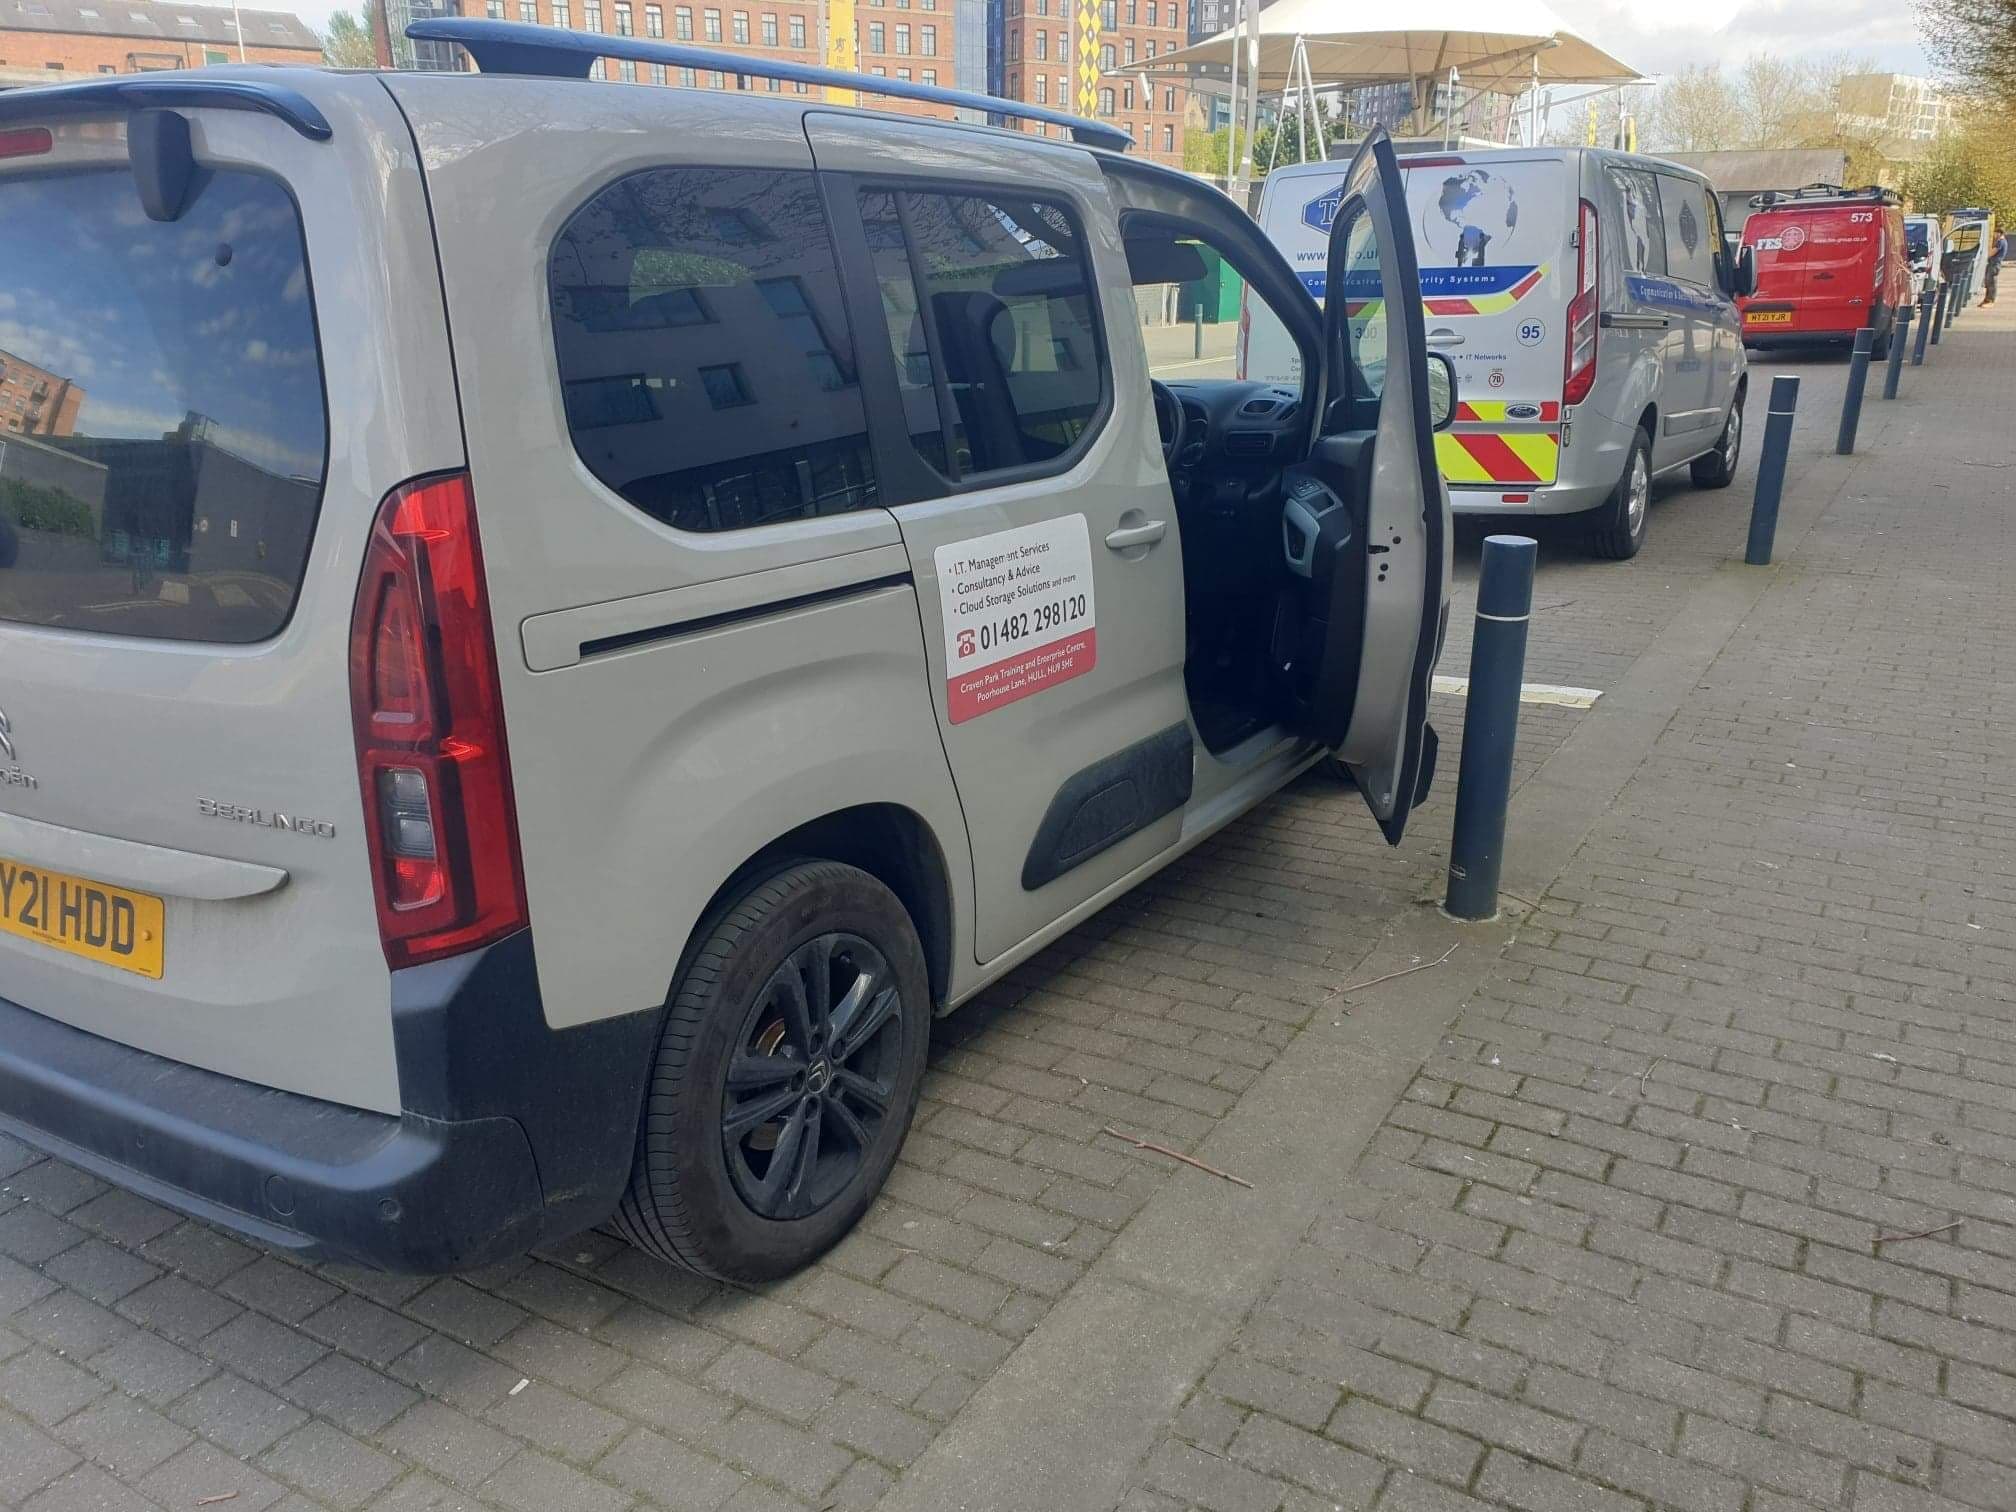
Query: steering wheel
x,y
1169,420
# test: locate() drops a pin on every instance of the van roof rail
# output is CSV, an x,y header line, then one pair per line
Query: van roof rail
x,y
1875,193
519,47
134,92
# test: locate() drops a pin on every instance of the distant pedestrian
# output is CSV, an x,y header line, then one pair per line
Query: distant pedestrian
x,y
1993,271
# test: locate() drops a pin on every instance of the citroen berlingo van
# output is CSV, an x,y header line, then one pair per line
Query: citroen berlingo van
x,y
536,658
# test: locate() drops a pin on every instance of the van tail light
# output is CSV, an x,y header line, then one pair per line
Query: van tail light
x,y
1579,367
429,719
27,141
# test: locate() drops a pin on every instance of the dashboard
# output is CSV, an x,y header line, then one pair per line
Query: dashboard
x,y
1239,437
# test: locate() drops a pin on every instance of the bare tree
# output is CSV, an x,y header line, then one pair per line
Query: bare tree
x,y
1975,42
1695,111
1772,96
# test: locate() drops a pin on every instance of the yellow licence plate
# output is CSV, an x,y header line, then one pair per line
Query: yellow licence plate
x,y
84,918
1769,317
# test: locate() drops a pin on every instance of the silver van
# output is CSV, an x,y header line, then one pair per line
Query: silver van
x,y
536,657
1587,301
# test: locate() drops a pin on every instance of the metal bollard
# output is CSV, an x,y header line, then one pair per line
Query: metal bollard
x,y
1957,298
1851,402
1197,331
1924,326
1490,725
1900,336
1939,313
1771,469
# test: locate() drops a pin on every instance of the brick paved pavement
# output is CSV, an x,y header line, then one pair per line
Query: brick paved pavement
x,y
1610,1246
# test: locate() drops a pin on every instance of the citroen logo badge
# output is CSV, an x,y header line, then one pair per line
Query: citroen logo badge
x,y
6,737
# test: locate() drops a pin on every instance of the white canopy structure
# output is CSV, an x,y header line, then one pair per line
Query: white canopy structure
x,y
1503,45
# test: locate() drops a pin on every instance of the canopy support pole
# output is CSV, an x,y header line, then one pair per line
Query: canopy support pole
x,y
1250,20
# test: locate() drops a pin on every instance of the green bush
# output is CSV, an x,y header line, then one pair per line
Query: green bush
x,y
37,506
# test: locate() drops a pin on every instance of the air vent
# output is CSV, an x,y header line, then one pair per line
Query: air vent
x,y
1249,444
1258,406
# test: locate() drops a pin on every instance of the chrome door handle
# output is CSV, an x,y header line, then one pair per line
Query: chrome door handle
x,y
1438,339
1136,535
1617,321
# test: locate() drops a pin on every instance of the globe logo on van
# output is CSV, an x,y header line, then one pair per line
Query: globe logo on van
x,y
1470,211
1793,237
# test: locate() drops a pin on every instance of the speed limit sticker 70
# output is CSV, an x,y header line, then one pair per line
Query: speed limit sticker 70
x,y
1018,614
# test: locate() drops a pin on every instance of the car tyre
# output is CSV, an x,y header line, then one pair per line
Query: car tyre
x,y
1718,468
1879,348
1618,528
772,1118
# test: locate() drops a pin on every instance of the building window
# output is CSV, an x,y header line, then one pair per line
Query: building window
x,y
591,15
903,41
657,73
1109,15
769,32
1126,96
528,12
711,22
1168,137
687,79
742,27
775,86
560,14
624,24
682,23
797,31
1107,61
494,9
1042,46
654,20
716,81
1130,49
626,70
876,37
596,70
930,76
1134,13
927,41
903,73
1106,102
1042,90
1169,99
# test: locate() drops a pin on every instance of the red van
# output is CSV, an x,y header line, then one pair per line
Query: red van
x,y
1829,261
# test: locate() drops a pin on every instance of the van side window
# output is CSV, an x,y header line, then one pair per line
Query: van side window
x,y
1644,228
1690,251
705,360
991,319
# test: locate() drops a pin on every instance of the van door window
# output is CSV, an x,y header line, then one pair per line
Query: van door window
x,y
162,431
1690,252
705,359
988,300
1644,227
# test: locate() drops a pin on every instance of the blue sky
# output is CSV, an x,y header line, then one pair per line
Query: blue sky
x,y
1654,35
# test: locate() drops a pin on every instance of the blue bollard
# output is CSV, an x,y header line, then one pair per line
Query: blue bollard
x,y
1939,312
1771,469
1490,725
1851,402
1924,326
1900,336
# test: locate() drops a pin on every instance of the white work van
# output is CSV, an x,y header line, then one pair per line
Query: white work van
x,y
1587,301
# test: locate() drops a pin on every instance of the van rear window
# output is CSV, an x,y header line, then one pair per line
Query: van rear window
x,y
162,427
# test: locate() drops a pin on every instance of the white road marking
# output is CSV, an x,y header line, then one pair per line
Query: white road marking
x,y
1532,693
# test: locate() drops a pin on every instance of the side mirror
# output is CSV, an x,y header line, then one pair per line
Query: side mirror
x,y
1746,273
1441,389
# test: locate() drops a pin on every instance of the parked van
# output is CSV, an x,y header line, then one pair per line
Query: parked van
x,y
1924,252
1829,262
535,662
1586,300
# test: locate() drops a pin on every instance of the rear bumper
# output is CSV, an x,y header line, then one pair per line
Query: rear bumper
x,y
1553,499
511,1134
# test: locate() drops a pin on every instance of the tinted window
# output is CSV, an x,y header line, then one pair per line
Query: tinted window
x,y
161,419
1690,250
1644,228
705,359
998,303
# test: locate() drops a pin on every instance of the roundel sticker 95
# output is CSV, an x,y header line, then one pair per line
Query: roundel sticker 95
x,y
1018,614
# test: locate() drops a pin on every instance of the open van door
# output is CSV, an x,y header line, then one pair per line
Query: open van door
x,y
1366,519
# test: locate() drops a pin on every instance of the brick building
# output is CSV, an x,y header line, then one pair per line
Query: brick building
x,y
35,401
1062,53
48,41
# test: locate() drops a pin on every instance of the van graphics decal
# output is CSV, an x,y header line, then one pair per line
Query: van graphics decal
x,y
1018,614
1445,291
1506,409
1670,294
1498,457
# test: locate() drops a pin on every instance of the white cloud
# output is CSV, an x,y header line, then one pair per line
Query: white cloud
x,y
1658,37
